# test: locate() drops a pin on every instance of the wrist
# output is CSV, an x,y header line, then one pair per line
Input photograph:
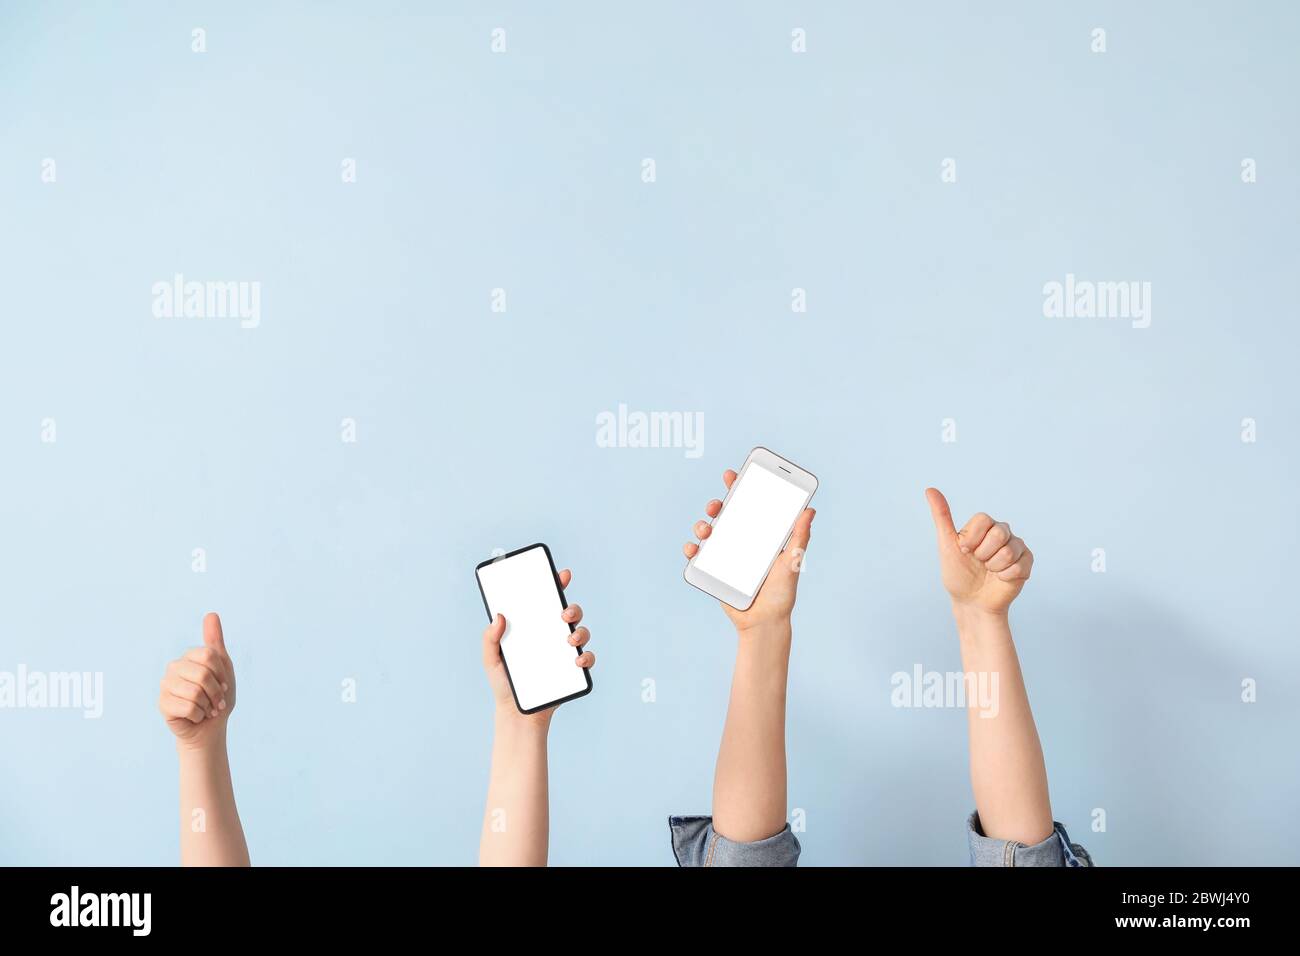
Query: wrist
x,y
763,650
510,722
777,631
976,623
974,613
213,745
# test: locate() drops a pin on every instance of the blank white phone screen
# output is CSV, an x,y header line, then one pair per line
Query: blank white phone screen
x,y
536,649
751,529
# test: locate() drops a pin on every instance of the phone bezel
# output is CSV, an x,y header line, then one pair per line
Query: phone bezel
x,y
555,576
801,478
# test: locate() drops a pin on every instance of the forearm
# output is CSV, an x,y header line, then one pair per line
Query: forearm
x,y
211,834
749,786
516,820
1008,775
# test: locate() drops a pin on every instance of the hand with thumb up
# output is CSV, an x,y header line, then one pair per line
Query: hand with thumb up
x,y
983,565
197,693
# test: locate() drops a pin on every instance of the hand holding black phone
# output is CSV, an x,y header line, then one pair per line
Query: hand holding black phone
x,y
524,587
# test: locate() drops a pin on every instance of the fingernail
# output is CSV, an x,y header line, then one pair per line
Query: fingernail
x,y
964,549
226,688
213,714
222,704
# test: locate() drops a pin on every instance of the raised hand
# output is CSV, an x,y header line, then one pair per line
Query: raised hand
x,y
516,819
196,696
495,668
197,693
983,566
749,782
775,600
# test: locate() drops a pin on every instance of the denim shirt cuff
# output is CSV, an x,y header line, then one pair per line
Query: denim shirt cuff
x,y
696,843
1056,850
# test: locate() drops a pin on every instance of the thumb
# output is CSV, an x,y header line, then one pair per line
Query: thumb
x,y
941,513
212,635
802,532
492,640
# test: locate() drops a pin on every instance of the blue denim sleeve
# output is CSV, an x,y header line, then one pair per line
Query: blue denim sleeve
x,y
1056,850
696,843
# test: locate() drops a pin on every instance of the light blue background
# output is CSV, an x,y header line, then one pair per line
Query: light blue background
x,y
477,430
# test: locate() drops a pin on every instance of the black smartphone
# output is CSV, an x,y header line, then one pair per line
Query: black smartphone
x,y
525,587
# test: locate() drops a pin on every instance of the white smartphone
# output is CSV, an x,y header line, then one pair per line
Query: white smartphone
x,y
525,587
752,528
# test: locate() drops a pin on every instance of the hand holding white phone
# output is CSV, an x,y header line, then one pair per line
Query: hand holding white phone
x,y
749,558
